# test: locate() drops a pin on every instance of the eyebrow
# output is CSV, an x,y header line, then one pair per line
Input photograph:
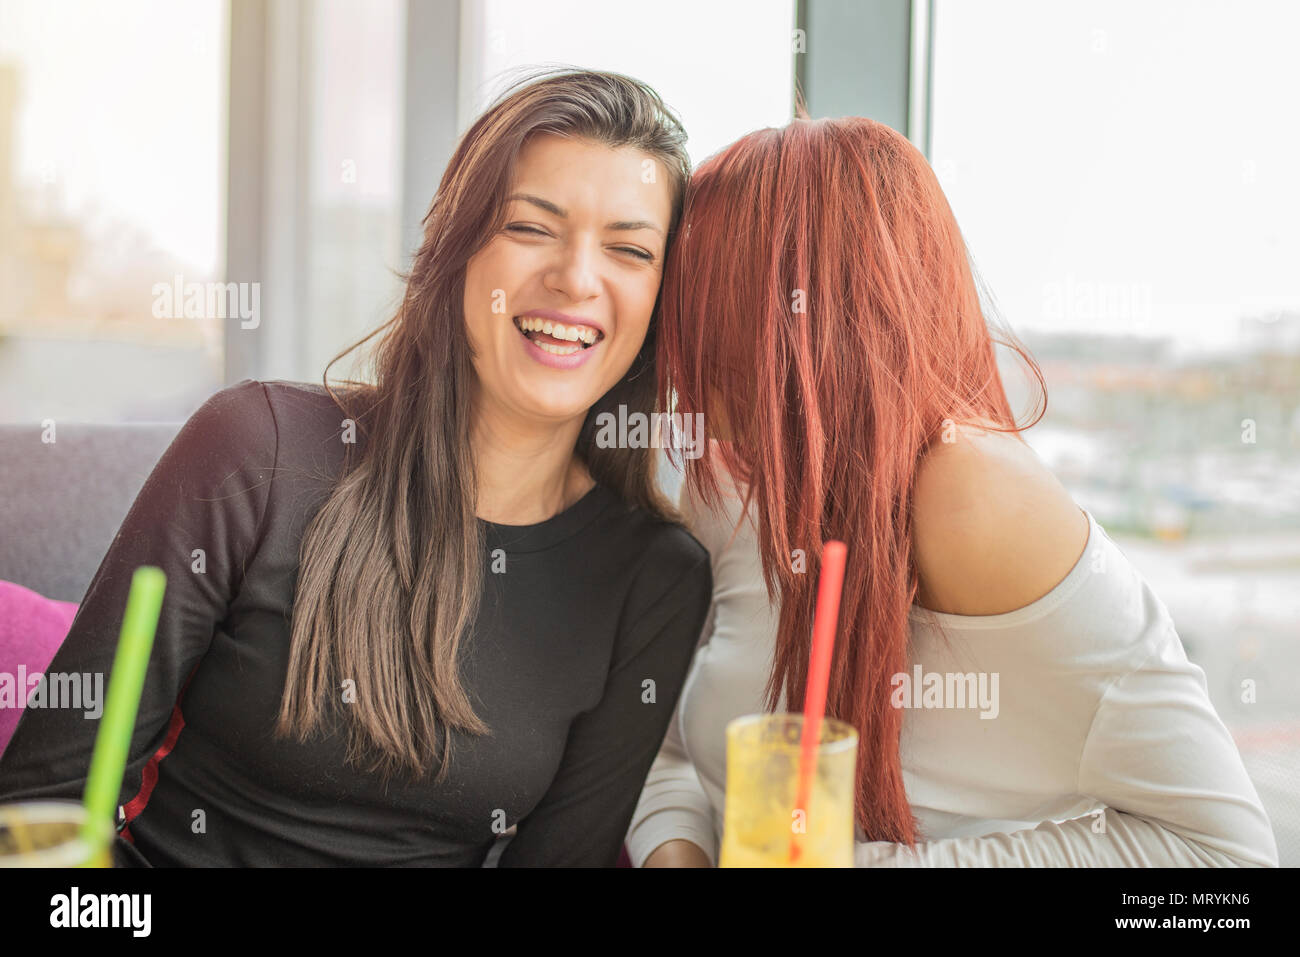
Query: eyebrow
x,y
622,224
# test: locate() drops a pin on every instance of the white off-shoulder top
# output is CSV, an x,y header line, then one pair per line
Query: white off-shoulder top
x,y
1105,749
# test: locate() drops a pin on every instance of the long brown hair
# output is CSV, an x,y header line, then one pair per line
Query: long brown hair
x,y
821,302
399,530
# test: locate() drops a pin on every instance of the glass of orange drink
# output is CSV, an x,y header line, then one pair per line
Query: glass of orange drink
x,y
48,833
760,820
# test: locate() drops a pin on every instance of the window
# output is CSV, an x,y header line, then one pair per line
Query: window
x,y
1124,175
112,185
726,68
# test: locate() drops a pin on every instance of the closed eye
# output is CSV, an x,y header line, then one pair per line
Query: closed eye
x,y
534,231
520,228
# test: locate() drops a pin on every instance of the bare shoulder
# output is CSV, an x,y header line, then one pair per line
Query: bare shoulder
x,y
993,529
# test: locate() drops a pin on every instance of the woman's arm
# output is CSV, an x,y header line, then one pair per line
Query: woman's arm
x,y
993,532
584,815
208,492
1159,758
673,822
678,853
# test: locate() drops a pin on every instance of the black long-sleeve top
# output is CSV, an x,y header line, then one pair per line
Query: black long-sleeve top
x,y
597,612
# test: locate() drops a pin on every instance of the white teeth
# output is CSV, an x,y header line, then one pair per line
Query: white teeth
x,y
559,330
558,350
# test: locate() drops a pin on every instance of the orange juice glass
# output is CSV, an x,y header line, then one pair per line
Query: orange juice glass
x,y
47,833
760,817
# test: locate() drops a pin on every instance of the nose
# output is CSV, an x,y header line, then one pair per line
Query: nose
x,y
574,272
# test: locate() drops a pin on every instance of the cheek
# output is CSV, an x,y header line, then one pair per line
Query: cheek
x,y
475,282
487,273
638,306
486,295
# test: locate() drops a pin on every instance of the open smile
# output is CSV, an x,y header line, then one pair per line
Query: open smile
x,y
556,336
556,344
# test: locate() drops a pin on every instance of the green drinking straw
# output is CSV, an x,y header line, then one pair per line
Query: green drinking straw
x,y
113,742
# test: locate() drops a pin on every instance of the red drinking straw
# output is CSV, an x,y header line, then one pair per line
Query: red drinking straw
x,y
829,585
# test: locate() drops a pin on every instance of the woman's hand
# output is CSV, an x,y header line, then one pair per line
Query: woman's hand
x,y
677,853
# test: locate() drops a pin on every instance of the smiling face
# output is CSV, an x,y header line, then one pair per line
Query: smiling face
x,y
557,304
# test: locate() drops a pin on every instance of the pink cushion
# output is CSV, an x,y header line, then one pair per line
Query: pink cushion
x,y
31,629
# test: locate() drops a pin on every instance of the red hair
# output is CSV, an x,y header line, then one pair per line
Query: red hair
x,y
820,300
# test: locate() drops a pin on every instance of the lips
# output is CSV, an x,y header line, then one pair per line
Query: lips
x,y
554,353
561,337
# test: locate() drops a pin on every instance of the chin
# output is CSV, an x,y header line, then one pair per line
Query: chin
x,y
558,405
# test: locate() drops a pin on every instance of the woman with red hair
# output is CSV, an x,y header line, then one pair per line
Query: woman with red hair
x,y
1020,694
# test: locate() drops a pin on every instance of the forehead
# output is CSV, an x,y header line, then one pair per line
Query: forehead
x,y
582,175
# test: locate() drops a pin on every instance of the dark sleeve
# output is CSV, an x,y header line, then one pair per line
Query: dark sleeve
x,y
584,815
208,491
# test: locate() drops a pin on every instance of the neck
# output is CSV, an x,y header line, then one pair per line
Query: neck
x,y
527,471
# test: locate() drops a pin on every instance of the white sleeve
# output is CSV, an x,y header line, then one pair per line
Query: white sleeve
x,y
673,804
1168,772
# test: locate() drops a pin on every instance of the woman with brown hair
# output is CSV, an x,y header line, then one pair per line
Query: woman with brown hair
x,y
407,617
1020,694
